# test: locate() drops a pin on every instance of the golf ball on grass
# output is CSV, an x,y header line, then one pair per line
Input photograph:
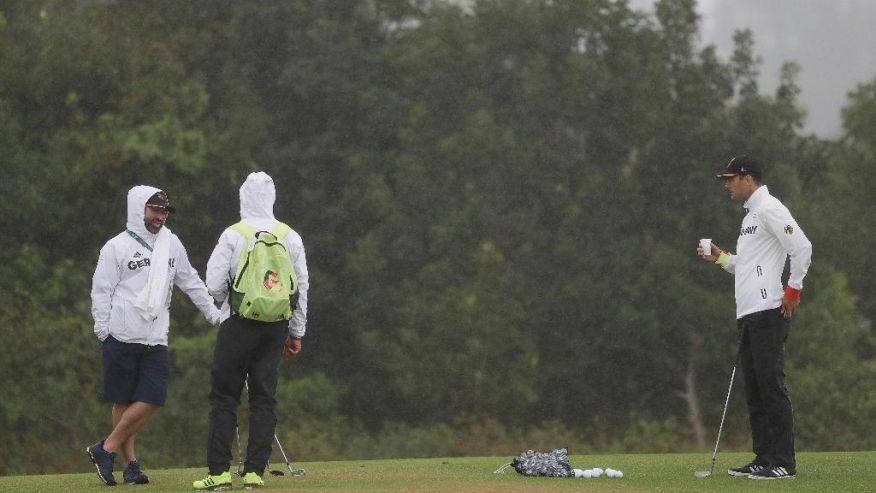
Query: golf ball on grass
x,y
598,472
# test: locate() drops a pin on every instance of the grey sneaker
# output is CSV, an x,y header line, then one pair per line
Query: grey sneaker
x,y
134,474
103,462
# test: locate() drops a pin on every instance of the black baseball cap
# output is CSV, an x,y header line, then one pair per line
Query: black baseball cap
x,y
159,199
741,165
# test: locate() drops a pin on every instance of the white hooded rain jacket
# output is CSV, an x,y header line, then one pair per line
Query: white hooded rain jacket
x,y
257,196
122,276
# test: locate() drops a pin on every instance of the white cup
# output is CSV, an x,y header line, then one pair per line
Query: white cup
x,y
706,245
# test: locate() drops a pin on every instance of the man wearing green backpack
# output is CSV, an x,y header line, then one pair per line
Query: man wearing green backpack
x,y
258,272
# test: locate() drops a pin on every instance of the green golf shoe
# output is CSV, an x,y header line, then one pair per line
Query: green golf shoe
x,y
214,483
252,480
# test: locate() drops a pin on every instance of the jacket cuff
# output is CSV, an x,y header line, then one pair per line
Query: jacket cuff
x,y
792,293
101,333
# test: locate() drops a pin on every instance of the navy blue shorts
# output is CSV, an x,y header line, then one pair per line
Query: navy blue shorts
x,y
134,372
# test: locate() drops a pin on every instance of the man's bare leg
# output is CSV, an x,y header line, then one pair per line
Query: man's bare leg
x,y
127,448
130,420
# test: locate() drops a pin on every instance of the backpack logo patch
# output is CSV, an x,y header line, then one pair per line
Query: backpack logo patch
x,y
272,281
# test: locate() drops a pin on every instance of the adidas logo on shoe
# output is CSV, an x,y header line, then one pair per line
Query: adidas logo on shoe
x,y
774,472
746,470
214,483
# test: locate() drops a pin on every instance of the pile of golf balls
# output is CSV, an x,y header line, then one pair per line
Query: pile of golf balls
x,y
597,472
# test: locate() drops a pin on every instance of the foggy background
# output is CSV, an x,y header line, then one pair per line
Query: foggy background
x,y
831,40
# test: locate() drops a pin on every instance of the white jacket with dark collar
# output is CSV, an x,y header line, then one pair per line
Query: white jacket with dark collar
x,y
767,237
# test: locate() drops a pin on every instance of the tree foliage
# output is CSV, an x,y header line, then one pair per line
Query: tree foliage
x,y
499,201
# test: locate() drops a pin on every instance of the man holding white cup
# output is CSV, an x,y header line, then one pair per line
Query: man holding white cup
x,y
705,245
768,236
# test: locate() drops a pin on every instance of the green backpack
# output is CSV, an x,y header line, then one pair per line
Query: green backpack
x,y
265,287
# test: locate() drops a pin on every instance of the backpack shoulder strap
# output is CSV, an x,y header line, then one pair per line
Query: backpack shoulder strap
x,y
244,229
248,233
280,231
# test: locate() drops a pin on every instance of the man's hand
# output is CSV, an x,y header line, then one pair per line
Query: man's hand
x,y
789,307
292,347
713,255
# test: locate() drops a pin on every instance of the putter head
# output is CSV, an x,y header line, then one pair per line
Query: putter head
x,y
299,472
702,474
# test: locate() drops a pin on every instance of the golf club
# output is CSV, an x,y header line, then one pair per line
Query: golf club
x,y
273,472
239,453
295,472
705,474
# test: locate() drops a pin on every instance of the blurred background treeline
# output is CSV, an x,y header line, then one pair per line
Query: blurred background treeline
x,y
500,202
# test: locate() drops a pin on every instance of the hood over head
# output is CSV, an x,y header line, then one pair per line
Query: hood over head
x,y
257,195
137,198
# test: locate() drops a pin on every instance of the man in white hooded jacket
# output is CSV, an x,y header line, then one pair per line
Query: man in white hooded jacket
x,y
130,303
249,351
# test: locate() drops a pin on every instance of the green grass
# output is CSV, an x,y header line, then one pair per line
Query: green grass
x,y
818,472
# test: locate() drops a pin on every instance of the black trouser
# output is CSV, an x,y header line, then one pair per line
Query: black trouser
x,y
244,347
762,354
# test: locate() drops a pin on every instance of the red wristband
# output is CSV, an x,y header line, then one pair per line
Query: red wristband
x,y
792,294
